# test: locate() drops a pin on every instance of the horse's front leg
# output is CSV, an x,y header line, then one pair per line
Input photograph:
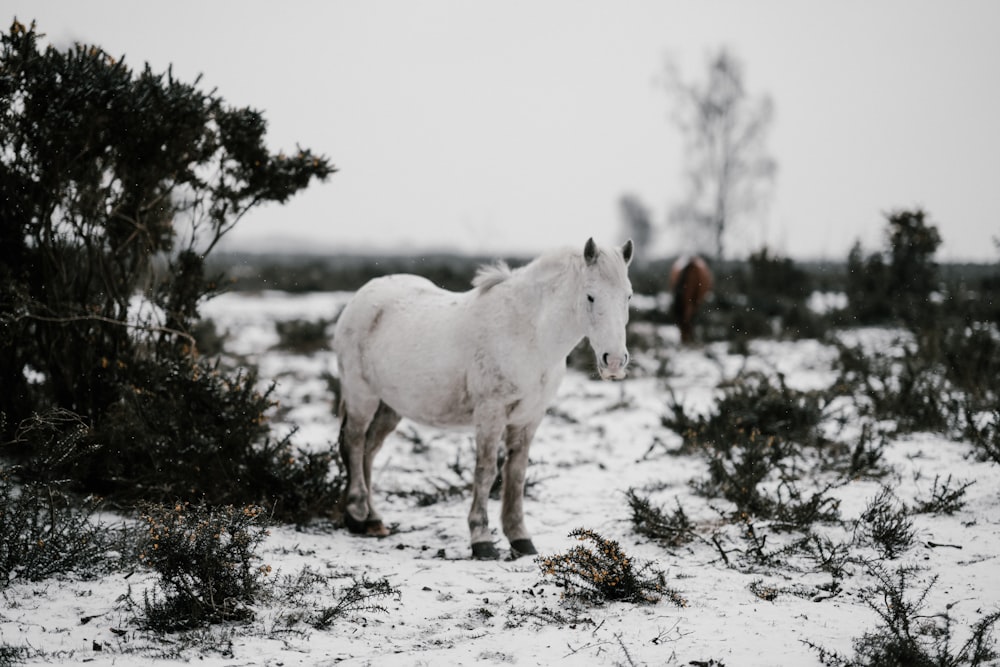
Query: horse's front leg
x,y
514,470
489,429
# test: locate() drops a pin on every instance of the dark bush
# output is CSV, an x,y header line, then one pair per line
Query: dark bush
x,y
45,532
751,403
896,284
190,431
736,475
909,390
207,563
103,169
985,437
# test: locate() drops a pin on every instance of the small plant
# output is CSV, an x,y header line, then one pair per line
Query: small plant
x,y
944,498
792,511
886,525
907,636
830,557
363,595
209,571
670,530
44,532
604,573
866,456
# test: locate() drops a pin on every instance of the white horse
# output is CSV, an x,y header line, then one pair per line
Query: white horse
x,y
491,358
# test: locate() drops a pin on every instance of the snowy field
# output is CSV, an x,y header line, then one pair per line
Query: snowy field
x,y
599,440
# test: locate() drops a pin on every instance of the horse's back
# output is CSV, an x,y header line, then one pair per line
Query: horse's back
x,y
405,340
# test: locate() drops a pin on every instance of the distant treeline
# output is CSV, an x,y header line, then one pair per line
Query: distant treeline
x,y
315,273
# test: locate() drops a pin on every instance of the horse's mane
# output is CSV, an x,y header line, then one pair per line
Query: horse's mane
x,y
490,275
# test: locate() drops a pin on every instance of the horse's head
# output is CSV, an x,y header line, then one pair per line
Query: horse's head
x,y
605,295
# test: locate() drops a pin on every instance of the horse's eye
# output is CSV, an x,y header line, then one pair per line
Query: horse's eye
x,y
590,298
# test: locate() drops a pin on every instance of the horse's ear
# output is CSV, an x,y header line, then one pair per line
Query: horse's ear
x,y
590,251
627,250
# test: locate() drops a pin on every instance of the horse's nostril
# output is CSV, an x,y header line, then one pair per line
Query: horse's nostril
x,y
605,358
626,358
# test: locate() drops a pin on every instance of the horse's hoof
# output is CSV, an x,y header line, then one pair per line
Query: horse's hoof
x,y
523,547
375,528
368,527
354,525
485,551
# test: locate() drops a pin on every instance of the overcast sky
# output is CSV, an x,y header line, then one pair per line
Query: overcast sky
x,y
497,127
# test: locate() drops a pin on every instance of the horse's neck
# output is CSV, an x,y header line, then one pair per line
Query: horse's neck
x,y
555,313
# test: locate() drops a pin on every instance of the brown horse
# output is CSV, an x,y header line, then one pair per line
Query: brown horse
x,y
690,283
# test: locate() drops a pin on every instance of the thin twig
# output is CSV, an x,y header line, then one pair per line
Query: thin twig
x,y
108,320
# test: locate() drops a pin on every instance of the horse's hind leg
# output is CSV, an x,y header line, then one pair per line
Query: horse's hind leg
x,y
358,413
512,507
385,421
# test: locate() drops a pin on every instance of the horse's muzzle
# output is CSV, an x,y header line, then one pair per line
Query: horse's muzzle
x,y
612,367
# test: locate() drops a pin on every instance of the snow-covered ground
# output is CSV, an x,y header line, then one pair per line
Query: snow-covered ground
x,y
600,440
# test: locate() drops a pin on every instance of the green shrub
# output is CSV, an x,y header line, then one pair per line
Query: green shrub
x,y
604,573
206,560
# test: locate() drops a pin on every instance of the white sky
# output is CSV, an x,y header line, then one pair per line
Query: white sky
x,y
515,126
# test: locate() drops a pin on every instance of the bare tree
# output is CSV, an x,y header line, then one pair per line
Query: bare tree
x,y
637,224
729,170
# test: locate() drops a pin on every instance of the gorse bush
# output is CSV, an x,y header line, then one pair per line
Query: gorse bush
x,y
905,389
604,573
207,563
670,530
187,430
753,403
363,595
944,498
101,170
45,532
737,474
906,635
886,525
